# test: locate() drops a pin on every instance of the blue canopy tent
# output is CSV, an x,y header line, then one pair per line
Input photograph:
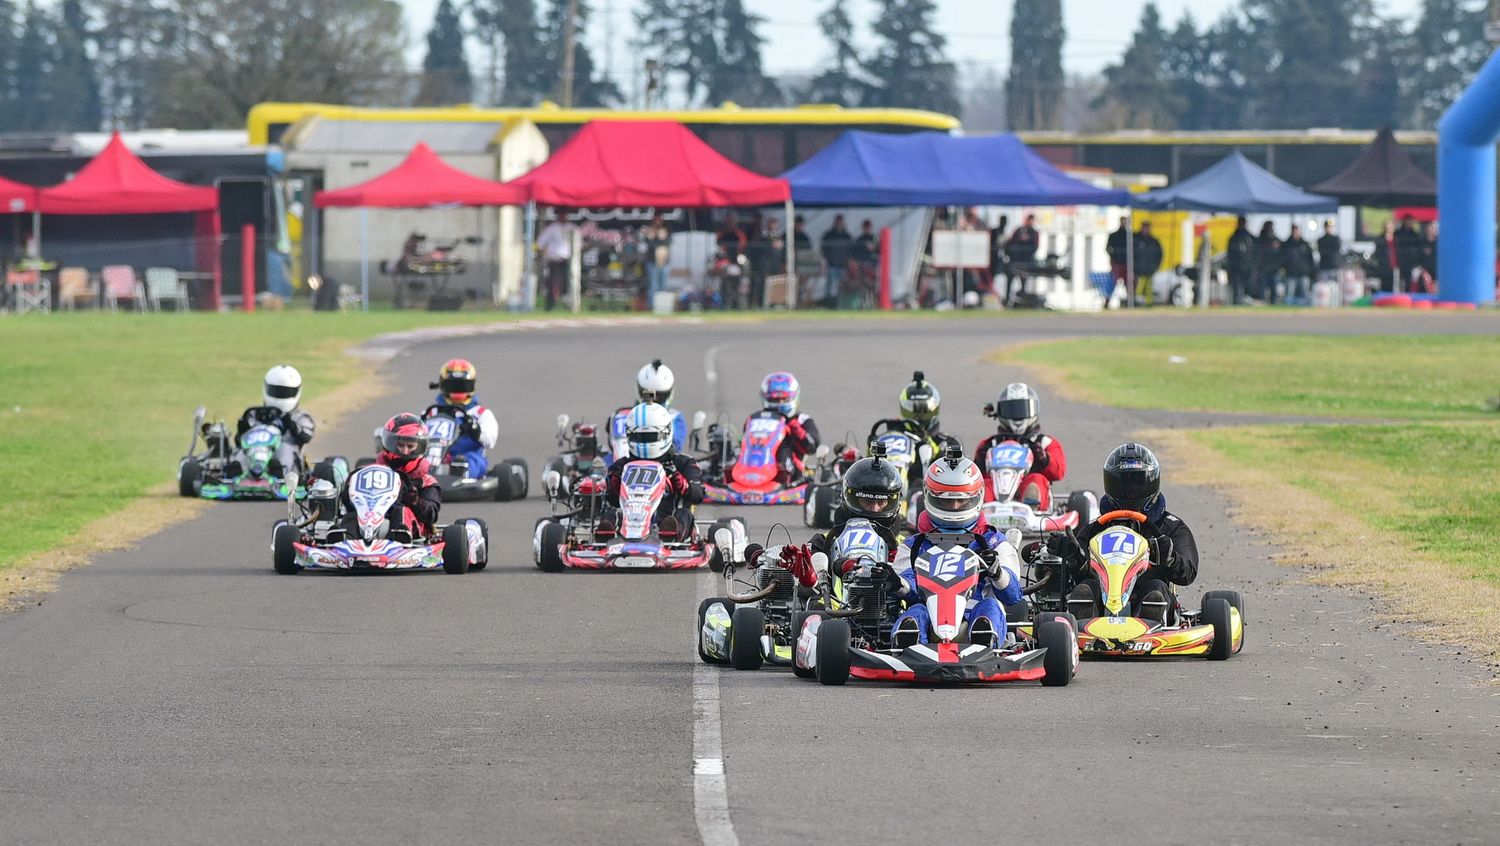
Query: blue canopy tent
x,y
1235,184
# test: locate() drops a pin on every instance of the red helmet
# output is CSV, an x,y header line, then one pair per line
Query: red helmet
x,y
456,381
403,444
953,492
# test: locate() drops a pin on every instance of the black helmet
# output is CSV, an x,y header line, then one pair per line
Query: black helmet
x,y
872,489
920,401
1132,477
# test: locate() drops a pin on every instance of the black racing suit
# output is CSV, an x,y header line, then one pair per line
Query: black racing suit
x,y
678,500
296,426
1181,568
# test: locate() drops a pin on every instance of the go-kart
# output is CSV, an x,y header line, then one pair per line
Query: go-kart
x,y
351,533
225,470
580,534
578,454
757,624
1005,465
857,641
506,479
1117,557
911,451
751,474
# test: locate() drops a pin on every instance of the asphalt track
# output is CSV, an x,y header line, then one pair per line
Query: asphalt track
x,y
180,692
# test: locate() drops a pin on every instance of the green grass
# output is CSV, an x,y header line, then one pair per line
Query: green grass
x,y
1393,377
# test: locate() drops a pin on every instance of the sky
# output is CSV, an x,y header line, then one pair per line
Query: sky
x,y
977,30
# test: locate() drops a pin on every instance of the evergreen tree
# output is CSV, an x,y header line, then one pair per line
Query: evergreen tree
x,y
1315,48
518,69
445,71
737,74
909,68
1138,92
682,35
33,69
1445,51
9,44
74,86
588,90
840,83
1034,91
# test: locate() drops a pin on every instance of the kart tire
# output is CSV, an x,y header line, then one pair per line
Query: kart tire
x,y
283,555
1216,613
518,475
504,489
818,513
1233,596
1020,612
1080,503
746,626
363,462
1064,616
553,536
189,477
702,612
1059,641
798,621
833,652
455,549
484,532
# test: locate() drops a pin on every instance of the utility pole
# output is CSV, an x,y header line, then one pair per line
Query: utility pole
x,y
570,32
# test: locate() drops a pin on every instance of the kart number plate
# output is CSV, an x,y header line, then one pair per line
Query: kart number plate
x,y
634,562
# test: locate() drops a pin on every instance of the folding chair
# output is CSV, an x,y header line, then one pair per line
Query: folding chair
x,y
72,286
120,284
28,291
163,283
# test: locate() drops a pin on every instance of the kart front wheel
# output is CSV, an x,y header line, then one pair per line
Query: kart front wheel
x,y
833,652
456,549
1217,612
746,626
1234,599
189,477
520,477
703,621
1058,639
549,557
283,554
484,533
799,620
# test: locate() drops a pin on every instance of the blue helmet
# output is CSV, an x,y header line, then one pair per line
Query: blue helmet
x,y
779,392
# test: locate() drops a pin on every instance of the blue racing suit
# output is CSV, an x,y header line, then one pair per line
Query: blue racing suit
x,y
477,434
988,600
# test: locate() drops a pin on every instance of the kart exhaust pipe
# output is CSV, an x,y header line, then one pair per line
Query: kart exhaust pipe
x,y
746,598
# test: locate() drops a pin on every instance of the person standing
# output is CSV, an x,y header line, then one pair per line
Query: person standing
x,y
1386,257
767,253
1408,250
1148,258
657,239
1298,263
1426,269
1239,260
556,245
1330,256
836,245
1267,262
1118,250
1020,253
731,239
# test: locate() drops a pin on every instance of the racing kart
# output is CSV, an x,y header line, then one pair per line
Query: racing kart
x,y
1117,557
580,534
324,533
229,470
856,640
1005,465
506,479
749,474
757,624
578,455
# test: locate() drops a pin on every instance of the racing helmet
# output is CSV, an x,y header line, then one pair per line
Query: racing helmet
x,y
1017,408
872,490
920,401
648,431
283,388
456,381
403,444
779,392
1132,477
953,491
654,383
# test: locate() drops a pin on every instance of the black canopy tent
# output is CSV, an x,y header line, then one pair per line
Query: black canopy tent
x,y
1383,175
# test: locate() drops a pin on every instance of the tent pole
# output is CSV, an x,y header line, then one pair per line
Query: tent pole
x,y
791,259
36,234
364,258
528,283
1205,268
575,273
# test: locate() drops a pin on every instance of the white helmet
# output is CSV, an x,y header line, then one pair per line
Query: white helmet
x,y
648,430
1017,408
283,388
654,383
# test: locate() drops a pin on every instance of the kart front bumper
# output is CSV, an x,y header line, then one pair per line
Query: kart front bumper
x,y
947,664
637,556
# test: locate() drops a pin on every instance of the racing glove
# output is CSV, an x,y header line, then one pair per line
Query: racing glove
x,y
988,556
1065,546
678,483
1163,553
1039,457
893,582
795,428
798,561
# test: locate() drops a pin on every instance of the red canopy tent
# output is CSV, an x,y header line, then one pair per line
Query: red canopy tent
x,y
645,163
117,182
422,180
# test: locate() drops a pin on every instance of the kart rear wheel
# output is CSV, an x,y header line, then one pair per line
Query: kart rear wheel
x,y
553,537
189,477
1216,613
746,626
283,554
1233,597
702,616
818,513
455,549
798,621
518,475
833,652
484,532
1059,640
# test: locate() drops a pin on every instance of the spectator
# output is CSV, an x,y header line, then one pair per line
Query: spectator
x,y
1267,262
837,246
1148,257
556,245
767,253
1386,257
1408,246
1329,254
1118,250
1239,261
732,239
1020,253
1426,269
800,239
658,242
997,248
1298,263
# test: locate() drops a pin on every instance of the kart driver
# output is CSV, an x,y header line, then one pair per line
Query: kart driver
x,y
654,383
1132,482
649,430
280,394
1017,410
403,448
920,402
779,393
478,429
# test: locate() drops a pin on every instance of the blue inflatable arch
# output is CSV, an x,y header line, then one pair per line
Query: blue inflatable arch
x,y
1466,190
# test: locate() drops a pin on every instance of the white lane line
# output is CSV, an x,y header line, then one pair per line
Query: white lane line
x,y
710,790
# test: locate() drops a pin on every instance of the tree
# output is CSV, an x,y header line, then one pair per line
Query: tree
x,y
445,70
130,40
518,71
683,37
588,90
1034,90
1138,93
33,68
73,88
1314,49
1445,51
909,68
840,83
737,74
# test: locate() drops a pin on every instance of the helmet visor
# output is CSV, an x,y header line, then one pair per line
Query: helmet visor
x,y
1016,409
406,444
864,502
282,391
648,436
954,502
457,384
1132,487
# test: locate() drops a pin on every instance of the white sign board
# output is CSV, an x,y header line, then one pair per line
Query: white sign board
x,y
964,248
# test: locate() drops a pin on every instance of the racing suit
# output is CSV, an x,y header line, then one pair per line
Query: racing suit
x,y
296,427
1174,552
478,432
416,511
617,429
684,489
999,586
1048,464
801,441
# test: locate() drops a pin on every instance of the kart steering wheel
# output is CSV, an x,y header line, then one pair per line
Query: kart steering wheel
x,y
1121,515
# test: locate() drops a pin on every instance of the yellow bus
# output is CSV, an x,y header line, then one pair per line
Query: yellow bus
x,y
767,141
